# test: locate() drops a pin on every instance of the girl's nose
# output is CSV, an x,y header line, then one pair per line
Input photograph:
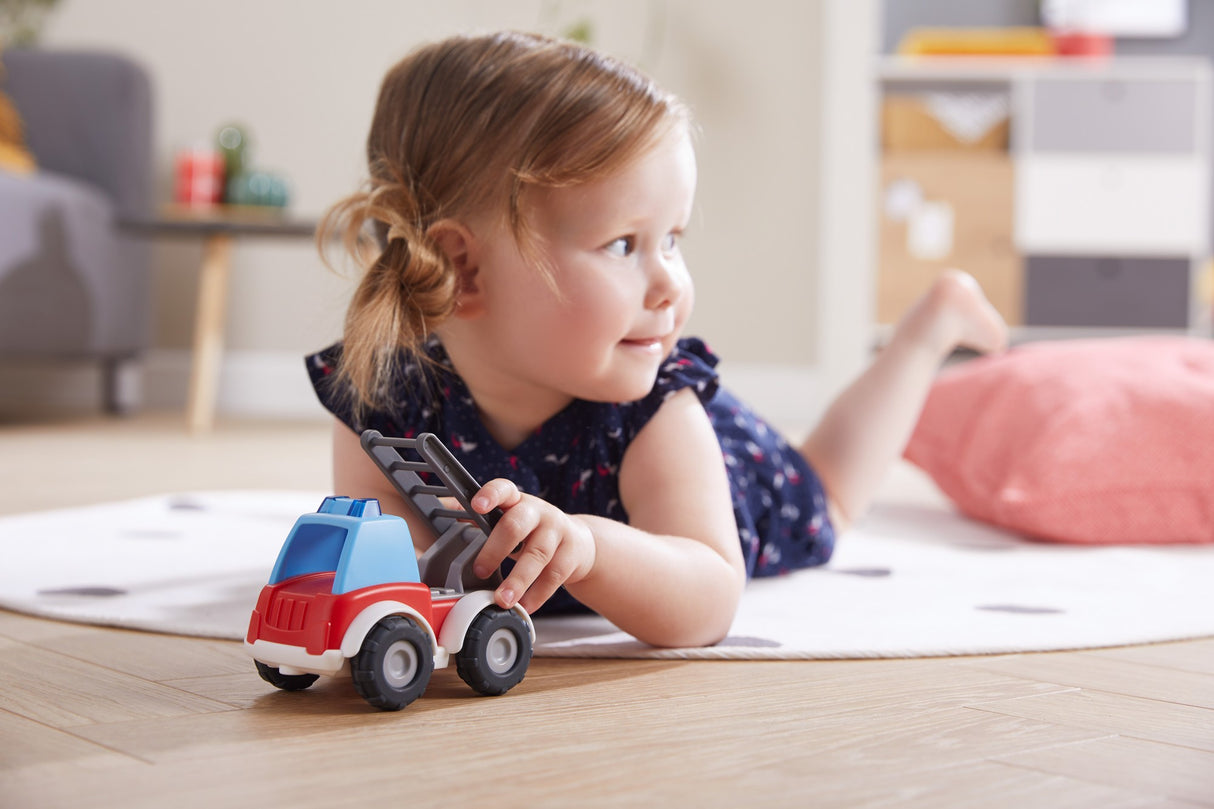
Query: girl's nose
x,y
667,278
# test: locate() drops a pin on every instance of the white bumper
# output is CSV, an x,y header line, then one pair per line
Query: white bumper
x,y
295,659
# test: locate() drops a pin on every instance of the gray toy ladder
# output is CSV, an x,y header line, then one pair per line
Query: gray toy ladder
x,y
460,533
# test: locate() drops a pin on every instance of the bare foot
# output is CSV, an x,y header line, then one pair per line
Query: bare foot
x,y
953,313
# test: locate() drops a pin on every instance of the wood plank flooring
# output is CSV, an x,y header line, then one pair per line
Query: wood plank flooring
x,y
111,718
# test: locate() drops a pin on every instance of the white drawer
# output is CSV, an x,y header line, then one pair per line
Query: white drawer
x,y
1112,204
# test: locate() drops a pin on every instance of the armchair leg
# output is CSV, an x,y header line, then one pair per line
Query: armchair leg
x,y
122,385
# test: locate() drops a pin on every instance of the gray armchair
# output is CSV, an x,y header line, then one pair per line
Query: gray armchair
x,y
73,284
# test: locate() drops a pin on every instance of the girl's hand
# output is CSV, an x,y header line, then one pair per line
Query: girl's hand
x,y
554,548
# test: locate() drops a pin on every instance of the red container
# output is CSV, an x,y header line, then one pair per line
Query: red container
x,y
1079,43
200,177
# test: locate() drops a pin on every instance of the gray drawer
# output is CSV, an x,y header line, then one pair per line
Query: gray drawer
x,y
1139,115
1099,291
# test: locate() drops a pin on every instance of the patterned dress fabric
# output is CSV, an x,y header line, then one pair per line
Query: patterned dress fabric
x,y
573,459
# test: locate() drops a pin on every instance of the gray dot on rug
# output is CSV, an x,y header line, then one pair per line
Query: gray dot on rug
x,y
1020,609
91,592
865,572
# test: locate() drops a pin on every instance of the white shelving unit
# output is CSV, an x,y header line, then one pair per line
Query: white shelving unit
x,y
1111,164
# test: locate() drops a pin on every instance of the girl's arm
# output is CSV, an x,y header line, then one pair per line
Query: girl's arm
x,y
678,564
674,575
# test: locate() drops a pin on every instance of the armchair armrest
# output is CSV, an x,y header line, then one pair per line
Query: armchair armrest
x,y
87,115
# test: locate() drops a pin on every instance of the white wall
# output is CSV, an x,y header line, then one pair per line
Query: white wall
x,y
303,77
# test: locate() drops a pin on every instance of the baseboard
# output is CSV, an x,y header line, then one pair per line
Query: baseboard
x,y
255,384
50,387
251,383
267,384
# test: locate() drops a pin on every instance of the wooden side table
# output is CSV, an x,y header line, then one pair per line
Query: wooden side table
x,y
218,227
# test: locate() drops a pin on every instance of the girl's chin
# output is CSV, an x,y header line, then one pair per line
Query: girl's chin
x,y
624,388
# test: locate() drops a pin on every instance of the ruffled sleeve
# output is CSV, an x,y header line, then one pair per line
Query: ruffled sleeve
x,y
690,365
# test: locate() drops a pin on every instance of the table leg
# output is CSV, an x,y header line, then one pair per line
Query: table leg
x,y
208,331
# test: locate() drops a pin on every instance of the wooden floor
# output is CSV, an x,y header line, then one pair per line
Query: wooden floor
x,y
103,717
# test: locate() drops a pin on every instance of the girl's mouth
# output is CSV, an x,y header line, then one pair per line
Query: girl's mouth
x,y
644,343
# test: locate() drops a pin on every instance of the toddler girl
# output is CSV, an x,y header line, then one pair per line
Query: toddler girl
x,y
524,299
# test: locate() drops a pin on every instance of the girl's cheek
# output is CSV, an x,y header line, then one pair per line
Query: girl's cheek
x,y
686,303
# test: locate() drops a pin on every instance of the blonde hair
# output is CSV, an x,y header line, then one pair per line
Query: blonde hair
x,y
462,127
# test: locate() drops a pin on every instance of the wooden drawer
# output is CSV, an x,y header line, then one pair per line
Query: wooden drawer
x,y
1105,291
1115,115
975,188
1089,204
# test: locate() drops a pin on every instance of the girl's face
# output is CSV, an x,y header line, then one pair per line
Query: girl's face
x,y
623,293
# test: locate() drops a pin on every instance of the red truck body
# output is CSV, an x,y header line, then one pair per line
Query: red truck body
x,y
303,611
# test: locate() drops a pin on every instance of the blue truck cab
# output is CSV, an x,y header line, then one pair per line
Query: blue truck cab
x,y
352,538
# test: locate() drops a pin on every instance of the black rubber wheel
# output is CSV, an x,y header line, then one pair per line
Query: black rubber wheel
x,y
287,682
496,652
394,665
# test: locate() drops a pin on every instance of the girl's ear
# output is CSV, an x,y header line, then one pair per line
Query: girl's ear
x,y
460,246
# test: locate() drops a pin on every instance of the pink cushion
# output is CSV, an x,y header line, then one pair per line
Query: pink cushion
x,y
1096,441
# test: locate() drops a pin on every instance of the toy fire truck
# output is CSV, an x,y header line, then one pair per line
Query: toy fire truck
x,y
349,594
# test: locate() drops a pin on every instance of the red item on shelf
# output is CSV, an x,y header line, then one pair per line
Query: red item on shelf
x,y
200,177
1079,43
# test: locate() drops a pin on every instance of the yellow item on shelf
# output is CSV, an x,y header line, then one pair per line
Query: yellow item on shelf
x,y
14,156
1024,41
16,160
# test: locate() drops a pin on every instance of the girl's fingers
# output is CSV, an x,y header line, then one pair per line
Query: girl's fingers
x,y
512,530
497,493
548,548
554,574
532,574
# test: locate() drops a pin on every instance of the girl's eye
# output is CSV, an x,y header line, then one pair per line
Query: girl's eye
x,y
670,243
622,247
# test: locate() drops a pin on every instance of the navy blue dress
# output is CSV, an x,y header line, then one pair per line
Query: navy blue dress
x,y
573,459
